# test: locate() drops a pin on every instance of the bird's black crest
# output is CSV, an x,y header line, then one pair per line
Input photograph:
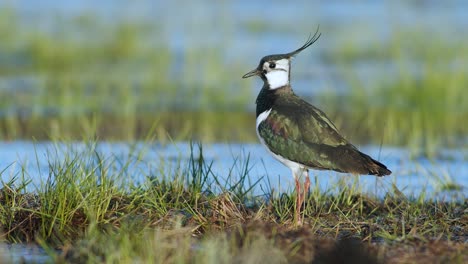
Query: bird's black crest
x,y
310,40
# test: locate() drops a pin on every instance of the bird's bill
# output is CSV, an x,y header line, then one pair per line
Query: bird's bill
x,y
251,73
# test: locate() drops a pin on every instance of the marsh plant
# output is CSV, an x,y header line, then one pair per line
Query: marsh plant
x,y
91,207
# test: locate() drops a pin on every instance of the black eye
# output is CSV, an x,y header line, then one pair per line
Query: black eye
x,y
272,65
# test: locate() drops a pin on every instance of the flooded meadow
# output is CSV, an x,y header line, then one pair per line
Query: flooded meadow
x,y
128,135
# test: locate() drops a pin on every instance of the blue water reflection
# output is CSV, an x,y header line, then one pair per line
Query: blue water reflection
x,y
410,176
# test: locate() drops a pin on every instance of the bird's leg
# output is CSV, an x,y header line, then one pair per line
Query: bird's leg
x,y
297,213
302,192
306,184
306,187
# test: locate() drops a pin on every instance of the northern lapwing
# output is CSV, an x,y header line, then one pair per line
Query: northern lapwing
x,y
297,133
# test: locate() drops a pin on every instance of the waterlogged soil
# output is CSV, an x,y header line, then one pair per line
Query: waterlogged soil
x,y
325,237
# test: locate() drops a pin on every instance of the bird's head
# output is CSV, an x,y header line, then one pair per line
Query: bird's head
x,y
275,69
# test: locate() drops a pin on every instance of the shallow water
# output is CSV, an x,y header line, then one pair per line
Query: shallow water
x,y
23,253
410,176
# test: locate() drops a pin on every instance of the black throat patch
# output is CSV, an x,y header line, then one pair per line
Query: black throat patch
x,y
267,97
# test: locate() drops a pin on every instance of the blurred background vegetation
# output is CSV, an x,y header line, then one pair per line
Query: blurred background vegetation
x,y
386,73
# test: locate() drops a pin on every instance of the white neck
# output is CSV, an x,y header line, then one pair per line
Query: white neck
x,y
279,76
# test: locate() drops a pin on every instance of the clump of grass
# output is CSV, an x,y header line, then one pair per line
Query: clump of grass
x,y
88,203
85,72
443,182
428,112
418,102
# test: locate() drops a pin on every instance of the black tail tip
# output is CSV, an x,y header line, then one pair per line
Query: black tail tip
x,y
383,171
379,169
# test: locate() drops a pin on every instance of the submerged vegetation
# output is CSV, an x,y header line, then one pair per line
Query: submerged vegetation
x,y
84,77
89,207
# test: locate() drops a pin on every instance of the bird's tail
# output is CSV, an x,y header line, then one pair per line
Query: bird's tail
x,y
374,167
348,159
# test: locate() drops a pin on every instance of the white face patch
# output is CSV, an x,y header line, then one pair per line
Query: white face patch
x,y
278,76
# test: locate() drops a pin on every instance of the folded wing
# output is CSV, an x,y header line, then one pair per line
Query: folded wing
x,y
302,133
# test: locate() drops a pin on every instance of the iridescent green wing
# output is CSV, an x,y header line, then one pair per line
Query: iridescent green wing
x,y
300,132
